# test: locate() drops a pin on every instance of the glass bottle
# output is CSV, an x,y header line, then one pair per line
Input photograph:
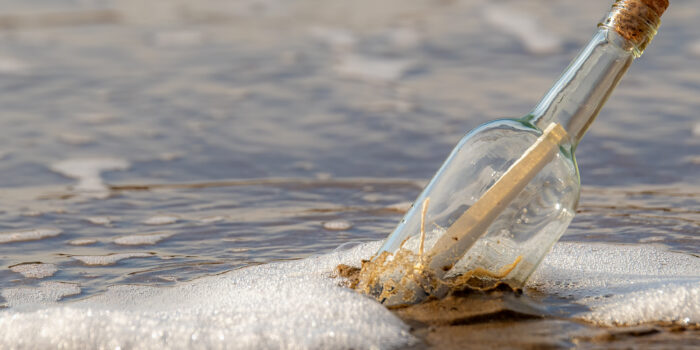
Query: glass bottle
x,y
520,205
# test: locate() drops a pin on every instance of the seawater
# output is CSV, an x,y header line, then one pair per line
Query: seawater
x,y
187,170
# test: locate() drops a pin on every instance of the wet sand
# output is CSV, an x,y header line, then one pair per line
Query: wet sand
x,y
502,319
524,319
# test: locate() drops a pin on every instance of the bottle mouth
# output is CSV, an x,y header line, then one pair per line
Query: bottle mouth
x,y
636,21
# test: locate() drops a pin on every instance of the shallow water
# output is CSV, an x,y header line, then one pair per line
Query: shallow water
x,y
155,143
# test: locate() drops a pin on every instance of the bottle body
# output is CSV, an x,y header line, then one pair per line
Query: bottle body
x,y
524,231
516,242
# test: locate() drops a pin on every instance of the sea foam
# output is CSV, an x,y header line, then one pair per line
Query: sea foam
x,y
108,259
299,304
282,306
30,298
89,171
142,239
161,220
624,284
28,235
34,270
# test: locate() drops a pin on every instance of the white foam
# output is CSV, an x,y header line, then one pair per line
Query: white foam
x,y
401,207
35,270
161,220
149,238
28,235
88,171
108,259
82,241
337,225
297,305
211,219
99,220
624,285
31,297
293,305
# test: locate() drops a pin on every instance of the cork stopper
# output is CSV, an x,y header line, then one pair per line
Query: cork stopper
x,y
636,21
658,6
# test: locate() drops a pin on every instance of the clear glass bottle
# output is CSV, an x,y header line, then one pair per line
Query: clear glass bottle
x,y
510,241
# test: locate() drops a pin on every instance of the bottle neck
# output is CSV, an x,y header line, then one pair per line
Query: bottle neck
x,y
576,98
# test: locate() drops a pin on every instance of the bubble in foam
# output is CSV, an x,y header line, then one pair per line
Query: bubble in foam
x,y
109,259
34,270
149,238
28,235
161,220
